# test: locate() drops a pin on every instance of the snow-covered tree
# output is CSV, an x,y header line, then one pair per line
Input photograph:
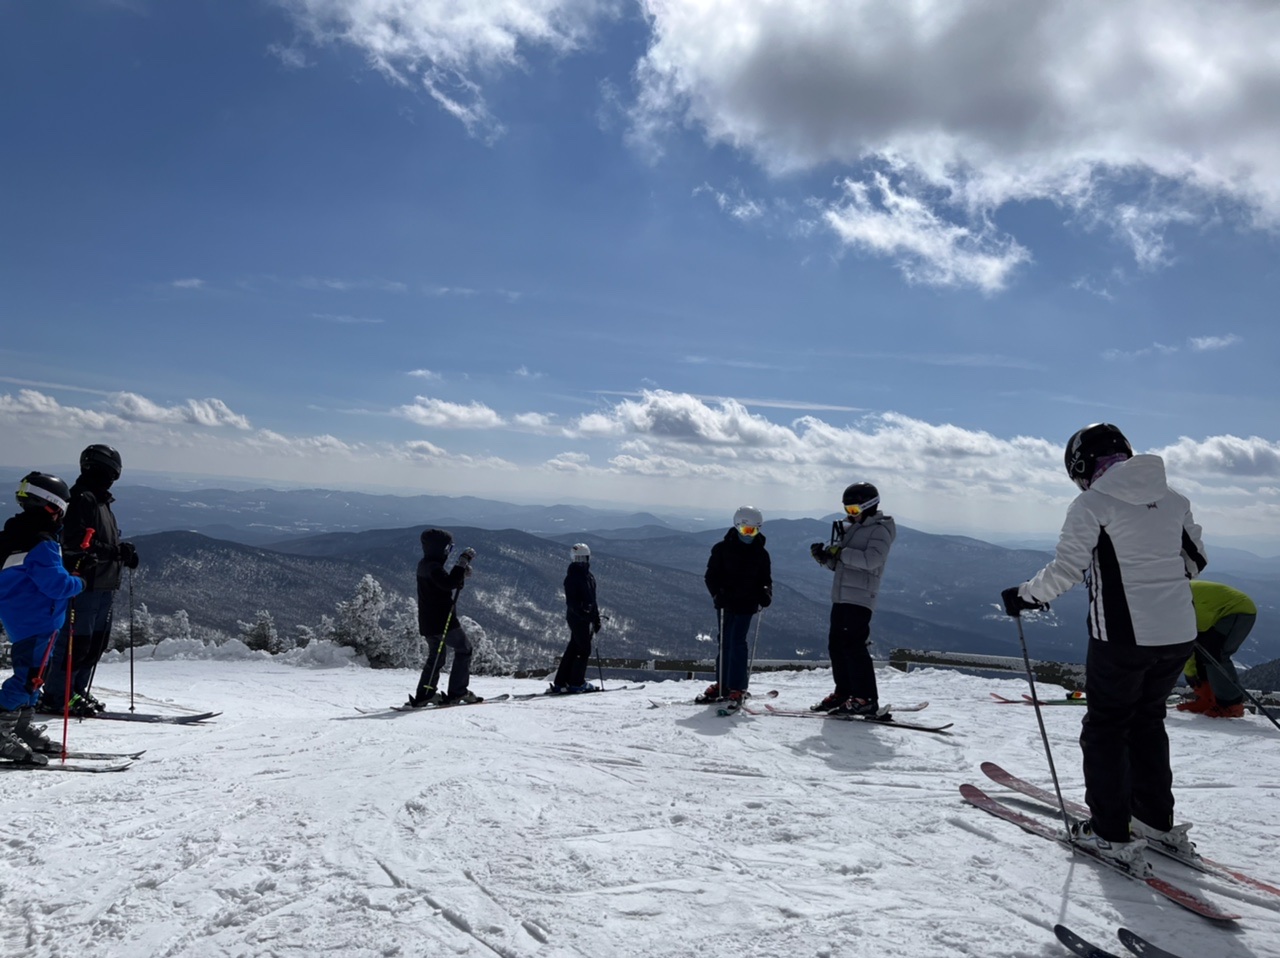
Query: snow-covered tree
x,y
368,622
260,634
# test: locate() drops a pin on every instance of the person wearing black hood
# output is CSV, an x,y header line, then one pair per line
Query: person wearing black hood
x,y
740,579
584,621
91,549
34,592
437,604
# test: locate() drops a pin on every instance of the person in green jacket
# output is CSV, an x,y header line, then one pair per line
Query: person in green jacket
x,y
1224,618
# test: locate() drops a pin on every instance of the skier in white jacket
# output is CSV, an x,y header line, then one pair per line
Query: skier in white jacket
x,y
1135,543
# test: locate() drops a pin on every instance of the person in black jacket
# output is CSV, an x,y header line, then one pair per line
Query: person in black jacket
x,y
740,580
584,622
437,621
91,549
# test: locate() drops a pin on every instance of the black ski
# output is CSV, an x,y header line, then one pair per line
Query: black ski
x,y
56,754
1140,946
436,708
57,766
151,717
527,696
1077,944
884,719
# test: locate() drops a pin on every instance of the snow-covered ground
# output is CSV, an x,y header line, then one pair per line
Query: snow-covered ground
x,y
592,826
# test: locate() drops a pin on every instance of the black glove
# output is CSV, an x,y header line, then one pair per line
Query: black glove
x,y
464,560
128,555
819,551
1015,604
765,598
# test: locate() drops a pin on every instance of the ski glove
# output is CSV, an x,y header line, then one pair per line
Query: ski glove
x,y
819,552
464,560
1015,605
128,555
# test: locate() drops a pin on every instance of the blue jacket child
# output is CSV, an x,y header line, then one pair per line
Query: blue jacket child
x,y
35,589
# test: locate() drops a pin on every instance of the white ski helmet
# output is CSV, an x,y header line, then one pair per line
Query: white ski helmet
x,y
748,516
581,552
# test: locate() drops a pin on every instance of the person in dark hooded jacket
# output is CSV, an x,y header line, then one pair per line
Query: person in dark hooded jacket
x,y
437,621
91,549
740,579
584,621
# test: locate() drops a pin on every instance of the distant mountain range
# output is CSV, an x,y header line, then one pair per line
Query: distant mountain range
x,y
296,554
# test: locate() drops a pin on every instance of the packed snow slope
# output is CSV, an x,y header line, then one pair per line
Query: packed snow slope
x,y
600,825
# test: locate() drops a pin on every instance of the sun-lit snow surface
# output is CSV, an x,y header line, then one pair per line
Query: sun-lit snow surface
x,y
590,826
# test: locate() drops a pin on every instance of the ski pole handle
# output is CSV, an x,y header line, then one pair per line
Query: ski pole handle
x,y
88,538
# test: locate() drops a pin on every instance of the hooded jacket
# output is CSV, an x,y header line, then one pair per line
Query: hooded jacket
x,y
739,574
859,565
580,595
436,588
34,586
1135,541
90,508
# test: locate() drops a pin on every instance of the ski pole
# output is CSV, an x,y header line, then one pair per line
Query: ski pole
x,y
131,706
599,666
1044,736
721,680
71,638
756,645
440,653
1238,687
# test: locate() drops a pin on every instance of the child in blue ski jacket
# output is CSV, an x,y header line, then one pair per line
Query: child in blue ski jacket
x,y
34,591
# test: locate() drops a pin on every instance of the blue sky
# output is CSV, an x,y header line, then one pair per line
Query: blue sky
x,y
668,254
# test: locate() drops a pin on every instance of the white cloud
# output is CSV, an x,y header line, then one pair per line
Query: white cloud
x,y
928,249
440,414
442,46
1122,355
424,374
199,412
736,204
190,283
1129,112
525,373
1224,456
1202,344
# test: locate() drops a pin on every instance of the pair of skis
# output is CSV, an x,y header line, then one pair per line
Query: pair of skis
x,y
406,709
1028,700
883,718
152,717
1181,896
1131,940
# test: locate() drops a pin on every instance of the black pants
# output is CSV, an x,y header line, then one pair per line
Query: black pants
x,y
459,675
847,644
577,655
91,614
1126,749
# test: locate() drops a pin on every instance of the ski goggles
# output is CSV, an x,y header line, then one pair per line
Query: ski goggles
x,y
855,510
747,530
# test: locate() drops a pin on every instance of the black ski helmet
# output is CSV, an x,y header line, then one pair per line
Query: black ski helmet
x,y
38,490
862,494
1090,444
101,458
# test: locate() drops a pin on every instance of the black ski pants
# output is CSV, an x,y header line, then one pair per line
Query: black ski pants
x,y
1125,746
459,675
848,644
577,655
90,617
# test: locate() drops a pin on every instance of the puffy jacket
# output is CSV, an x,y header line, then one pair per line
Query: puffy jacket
x,y
99,565
859,565
34,586
1137,542
580,595
739,574
436,588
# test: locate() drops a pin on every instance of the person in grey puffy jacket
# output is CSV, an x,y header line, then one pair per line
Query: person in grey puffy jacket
x,y
1135,541
858,560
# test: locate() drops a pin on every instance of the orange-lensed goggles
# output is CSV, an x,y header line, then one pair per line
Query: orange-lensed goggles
x,y
748,530
853,509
